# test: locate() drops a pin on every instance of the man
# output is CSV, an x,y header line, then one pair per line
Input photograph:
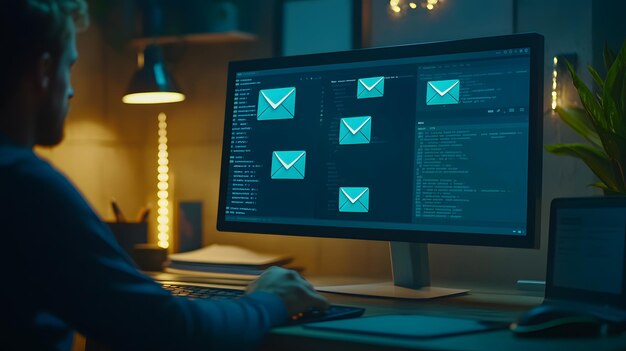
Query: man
x,y
63,269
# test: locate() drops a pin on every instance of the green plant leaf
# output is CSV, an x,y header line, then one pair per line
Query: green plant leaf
x,y
615,149
592,105
611,116
613,95
609,56
604,115
600,185
597,161
620,88
580,122
623,94
606,190
596,77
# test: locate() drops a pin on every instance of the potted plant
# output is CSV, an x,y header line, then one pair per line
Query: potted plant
x,y
602,122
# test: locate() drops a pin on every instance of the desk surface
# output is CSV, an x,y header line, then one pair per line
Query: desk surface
x,y
483,304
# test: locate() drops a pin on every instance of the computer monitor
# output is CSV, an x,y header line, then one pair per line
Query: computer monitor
x,y
415,144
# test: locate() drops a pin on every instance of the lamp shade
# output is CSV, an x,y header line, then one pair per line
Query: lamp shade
x,y
152,83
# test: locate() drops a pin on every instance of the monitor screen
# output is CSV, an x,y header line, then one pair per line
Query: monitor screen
x,y
431,143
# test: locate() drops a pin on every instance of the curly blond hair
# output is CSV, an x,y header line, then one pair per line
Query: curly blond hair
x,y
55,12
29,28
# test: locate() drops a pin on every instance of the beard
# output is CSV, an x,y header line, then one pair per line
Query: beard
x,y
51,123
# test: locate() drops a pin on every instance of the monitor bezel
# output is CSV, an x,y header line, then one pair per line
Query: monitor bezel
x,y
531,240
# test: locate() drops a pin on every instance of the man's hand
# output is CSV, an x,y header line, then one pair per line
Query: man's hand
x,y
297,293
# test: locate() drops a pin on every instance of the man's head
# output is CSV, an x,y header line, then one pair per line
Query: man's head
x,y
39,49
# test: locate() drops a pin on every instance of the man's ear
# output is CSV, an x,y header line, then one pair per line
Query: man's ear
x,y
44,70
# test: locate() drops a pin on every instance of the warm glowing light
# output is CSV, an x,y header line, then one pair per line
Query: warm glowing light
x,y
153,98
140,59
398,6
555,74
163,218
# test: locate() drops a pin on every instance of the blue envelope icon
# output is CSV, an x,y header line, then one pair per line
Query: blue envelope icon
x,y
370,87
277,103
288,164
354,199
355,130
443,92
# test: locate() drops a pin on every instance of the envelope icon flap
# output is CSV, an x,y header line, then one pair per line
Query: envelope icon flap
x,y
355,124
288,158
370,83
275,97
442,87
354,194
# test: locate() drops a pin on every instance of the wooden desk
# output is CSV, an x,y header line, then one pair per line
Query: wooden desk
x,y
494,304
479,304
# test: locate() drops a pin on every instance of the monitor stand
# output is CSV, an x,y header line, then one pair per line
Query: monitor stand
x,y
411,277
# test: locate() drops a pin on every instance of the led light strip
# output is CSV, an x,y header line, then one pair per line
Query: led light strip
x,y
163,218
555,61
396,7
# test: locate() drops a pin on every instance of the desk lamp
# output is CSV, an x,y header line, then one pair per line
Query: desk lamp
x,y
152,84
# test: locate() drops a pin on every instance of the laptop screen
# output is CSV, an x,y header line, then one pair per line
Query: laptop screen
x,y
587,249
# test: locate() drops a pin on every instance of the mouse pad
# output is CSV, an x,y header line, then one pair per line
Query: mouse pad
x,y
408,326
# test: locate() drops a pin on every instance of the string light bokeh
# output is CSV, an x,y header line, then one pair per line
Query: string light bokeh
x,y
163,214
401,7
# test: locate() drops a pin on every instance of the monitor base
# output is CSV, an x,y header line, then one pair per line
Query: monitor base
x,y
411,277
388,289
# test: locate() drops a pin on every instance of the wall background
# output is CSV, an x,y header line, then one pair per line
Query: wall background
x,y
110,148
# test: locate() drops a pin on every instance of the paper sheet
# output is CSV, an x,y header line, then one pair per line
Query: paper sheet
x,y
228,254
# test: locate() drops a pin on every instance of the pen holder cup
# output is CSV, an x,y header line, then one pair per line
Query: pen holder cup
x,y
150,257
129,234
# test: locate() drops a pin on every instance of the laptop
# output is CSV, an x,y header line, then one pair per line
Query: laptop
x,y
587,255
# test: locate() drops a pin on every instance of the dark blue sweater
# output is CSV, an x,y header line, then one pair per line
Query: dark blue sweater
x,y
64,271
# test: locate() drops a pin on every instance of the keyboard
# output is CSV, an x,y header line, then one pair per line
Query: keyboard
x,y
204,292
